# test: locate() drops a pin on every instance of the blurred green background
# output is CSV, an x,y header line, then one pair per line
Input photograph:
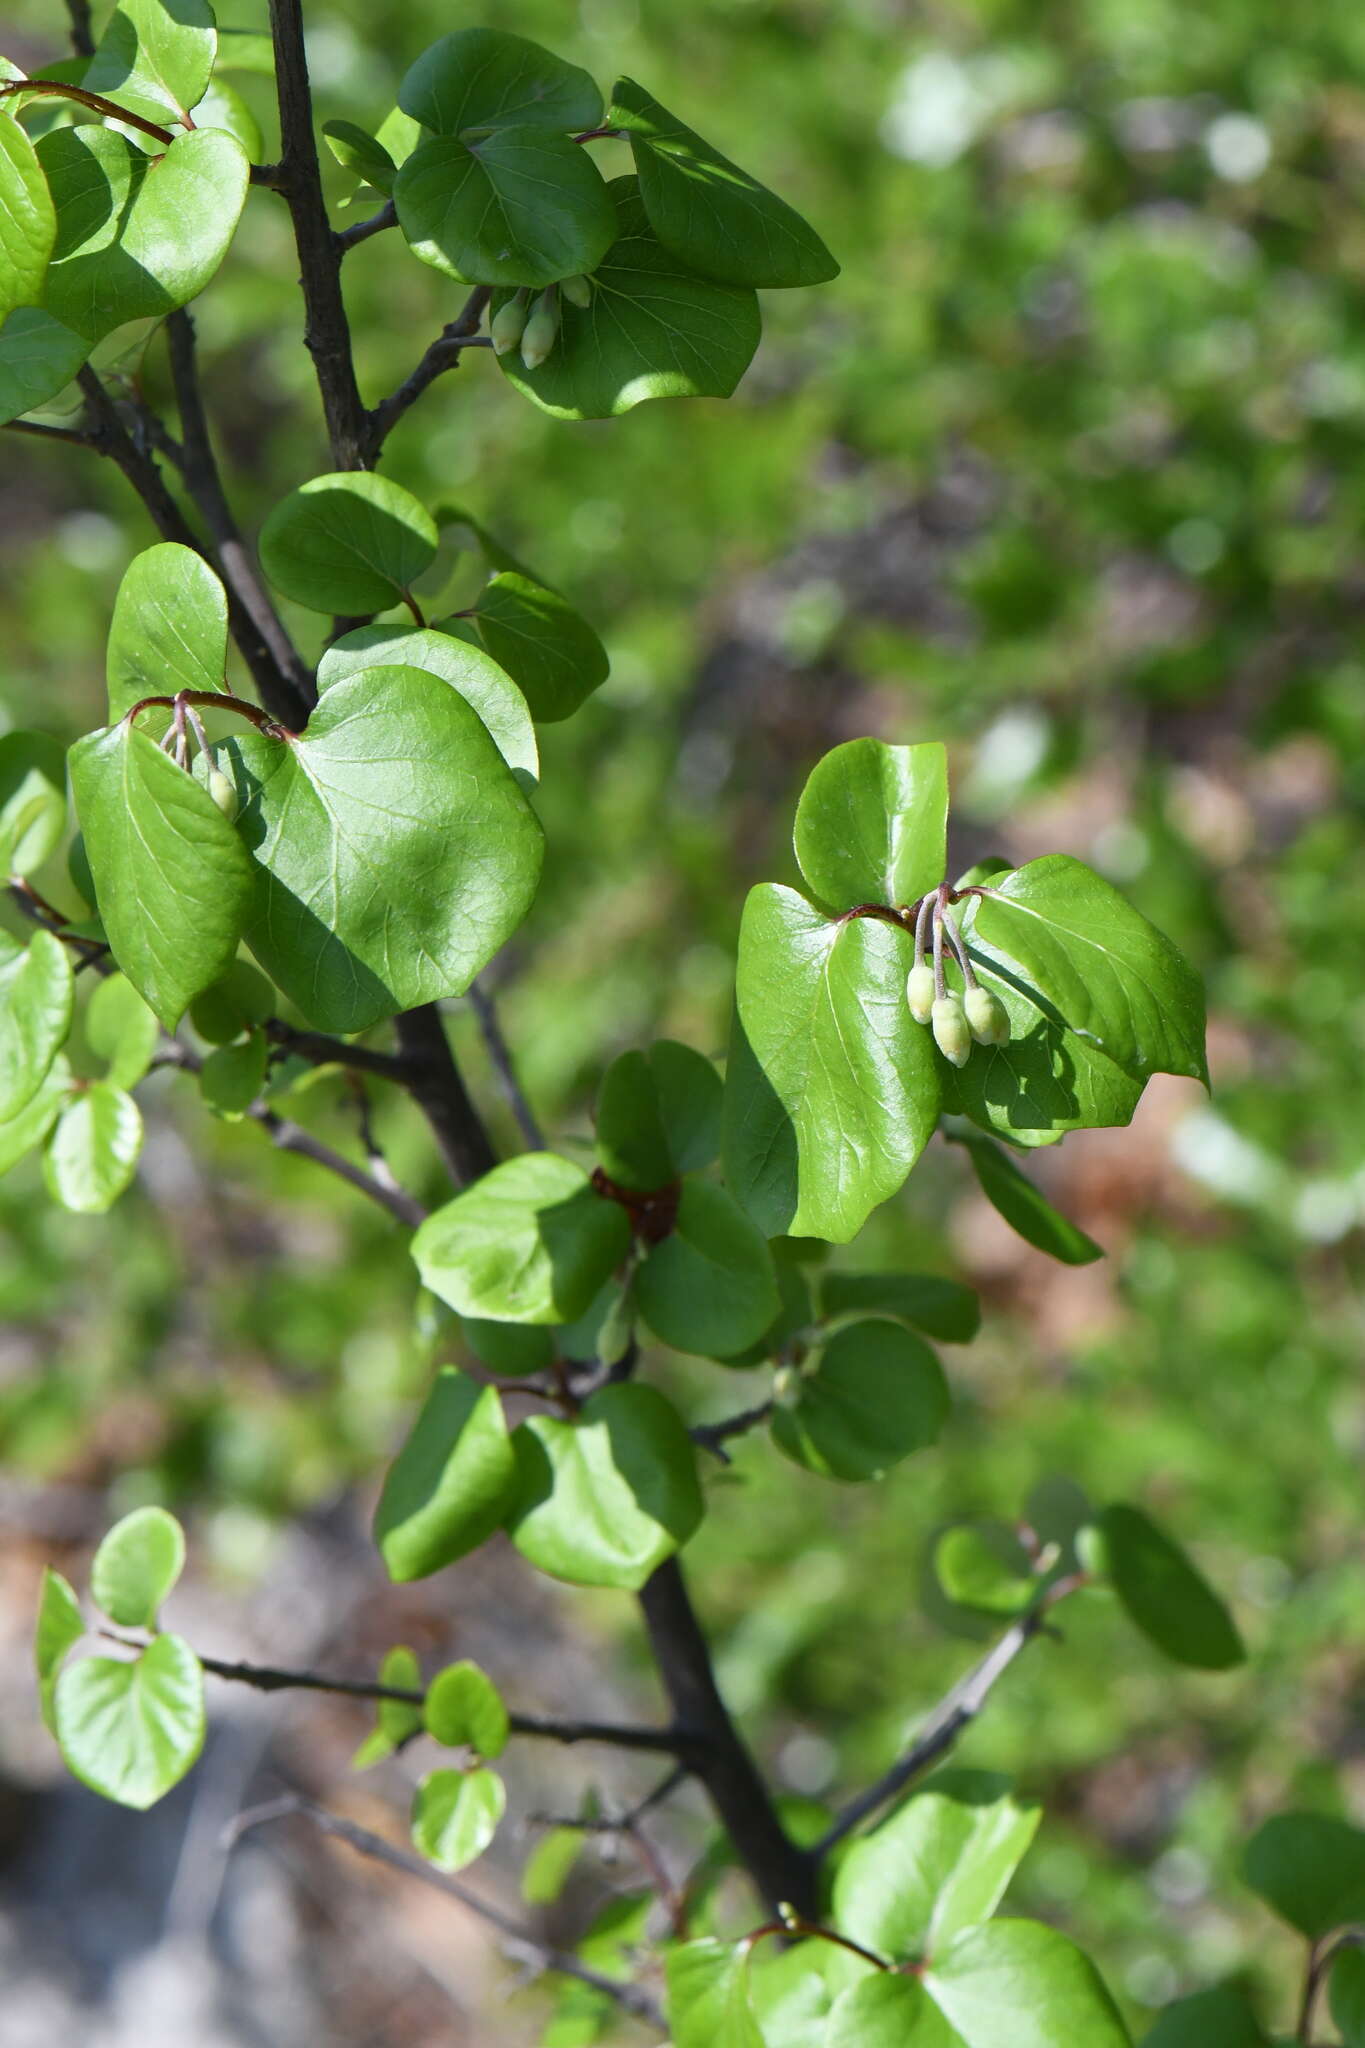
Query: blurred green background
x,y
1067,468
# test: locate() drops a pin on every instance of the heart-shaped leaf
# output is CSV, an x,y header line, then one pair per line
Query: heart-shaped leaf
x,y
168,632
464,1709
707,210
394,851
348,542
450,1485
531,1242
173,881
1161,1591
485,78
514,206
944,1309
709,1287
93,1149
136,1566
831,1092
1310,1869
603,1500
38,358
154,58
483,685
59,1628
455,1815
238,1000
395,1721
28,220
707,2002
1017,1984
877,1395
1026,1208
32,800
652,329
355,149
131,1730
36,995
137,235
632,1143
550,652
984,1566
872,824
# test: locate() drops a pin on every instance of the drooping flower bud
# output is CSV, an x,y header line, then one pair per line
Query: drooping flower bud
x,y
578,292
919,991
952,1033
541,330
987,1016
786,1386
224,792
508,324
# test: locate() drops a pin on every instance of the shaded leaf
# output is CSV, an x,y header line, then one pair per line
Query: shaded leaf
x,y
1310,1869
233,1076
514,206
36,997
877,1395
944,1309
485,78
1346,1990
347,542
28,1126
709,1287
1026,1208
121,1030
38,358
1221,2018
1160,1589
550,652
239,999
449,1486
168,632
154,58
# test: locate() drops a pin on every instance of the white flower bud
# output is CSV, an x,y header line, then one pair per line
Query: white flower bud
x,y
578,292
919,991
952,1034
224,793
508,324
542,329
987,1016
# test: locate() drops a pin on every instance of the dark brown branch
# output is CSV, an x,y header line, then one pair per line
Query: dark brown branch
x,y
49,88
784,1874
500,1054
713,1436
437,1087
82,35
524,1945
361,230
443,354
327,332
323,1051
72,434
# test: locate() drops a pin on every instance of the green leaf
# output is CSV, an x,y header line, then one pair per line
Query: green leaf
x,y
832,1092
395,854
886,2011
465,1708
1161,1591
877,1395
517,1349
59,1628
515,206
137,235
238,1000
604,1500
1220,2018
131,1730
474,674
709,1287
632,1143
93,1150
121,1030
944,1309
455,1815
38,358
1310,1869
29,1126
356,150
983,1565
1017,1984
690,1095
795,1314
652,328
707,1996
484,78
396,1721
246,49
169,630
28,220
136,1566
36,996
1346,1991
1112,976
872,824
347,542
223,107
173,881
551,653
531,1242
1026,1209
709,211
940,1864
155,58
546,1870
233,1076
793,1988
449,1487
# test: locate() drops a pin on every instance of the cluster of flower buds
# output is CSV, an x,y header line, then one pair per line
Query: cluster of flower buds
x,y
957,1021
534,327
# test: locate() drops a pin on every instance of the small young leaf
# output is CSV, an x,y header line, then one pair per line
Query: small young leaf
x,y
36,996
355,149
465,1708
240,999
155,59
38,358
1310,1869
455,1815
605,1499
130,1730
93,1150
449,1487
943,1309
173,880
1346,1991
1026,1209
28,220
1161,1591
652,328
477,677
349,542
223,107
168,632
485,78
59,1627
396,1721
709,1287
710,212
552,655
832,1091
121,1030
136,1566
233,1076
514,206
707,2000
531,1242
871,826
1221,2018
546,1870
877,1395
983,1565
1017,1984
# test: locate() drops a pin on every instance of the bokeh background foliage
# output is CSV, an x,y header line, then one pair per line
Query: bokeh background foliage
x,y
1067,468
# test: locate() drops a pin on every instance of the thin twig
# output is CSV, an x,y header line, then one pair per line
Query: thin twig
x,y
713,1436
605,1824
82,35
521,1941
36,427
374,224
437,1087
50,88
1321,1957
443,354
323,1051
500,1054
